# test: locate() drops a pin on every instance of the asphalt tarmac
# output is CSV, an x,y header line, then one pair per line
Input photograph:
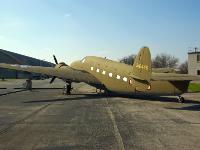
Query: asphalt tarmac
x,y
44,119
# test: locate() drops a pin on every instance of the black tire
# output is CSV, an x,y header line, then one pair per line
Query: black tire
x,y
69,87
181,99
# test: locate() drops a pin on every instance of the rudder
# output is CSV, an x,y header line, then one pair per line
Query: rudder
x,y
141,72
142,65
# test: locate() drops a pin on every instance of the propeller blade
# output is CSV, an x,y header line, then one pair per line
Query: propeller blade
x,y
52,79
55,59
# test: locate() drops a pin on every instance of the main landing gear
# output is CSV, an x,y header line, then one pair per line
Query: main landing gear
x,y
98,90
180,99
67,89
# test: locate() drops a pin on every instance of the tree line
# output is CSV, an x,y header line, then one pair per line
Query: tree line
x,y
160,61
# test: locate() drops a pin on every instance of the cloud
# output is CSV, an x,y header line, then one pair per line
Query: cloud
x,y
67,15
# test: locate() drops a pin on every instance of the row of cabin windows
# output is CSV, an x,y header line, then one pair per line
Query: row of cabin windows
x,y
110,74
125,79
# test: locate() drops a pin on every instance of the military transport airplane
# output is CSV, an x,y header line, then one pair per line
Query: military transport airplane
x,y
114,76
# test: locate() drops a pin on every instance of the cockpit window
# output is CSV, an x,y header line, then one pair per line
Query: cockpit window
x,y
83,60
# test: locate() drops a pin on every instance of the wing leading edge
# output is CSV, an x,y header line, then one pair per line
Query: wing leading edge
x,y
64,72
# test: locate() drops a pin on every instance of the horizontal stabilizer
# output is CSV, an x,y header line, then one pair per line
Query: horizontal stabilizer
x,y
173,77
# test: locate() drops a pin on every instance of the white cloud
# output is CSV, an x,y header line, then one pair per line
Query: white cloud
x,y
67,15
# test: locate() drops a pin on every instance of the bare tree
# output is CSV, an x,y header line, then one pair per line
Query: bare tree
x,y
183,67
128,59
160,61
164,61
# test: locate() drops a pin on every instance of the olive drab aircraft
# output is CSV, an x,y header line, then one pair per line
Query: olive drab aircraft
x,y
115,77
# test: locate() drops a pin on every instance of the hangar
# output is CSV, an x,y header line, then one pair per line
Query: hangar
x,y
14,58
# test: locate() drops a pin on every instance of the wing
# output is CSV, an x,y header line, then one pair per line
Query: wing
x,y
64,72
173,77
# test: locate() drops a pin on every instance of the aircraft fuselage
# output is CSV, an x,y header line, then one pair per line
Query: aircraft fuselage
x,y
115,77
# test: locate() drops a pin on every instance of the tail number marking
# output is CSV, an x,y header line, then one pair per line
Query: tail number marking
x,y
144,67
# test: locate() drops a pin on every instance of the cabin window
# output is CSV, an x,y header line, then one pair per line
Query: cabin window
x,y
110,74
118,77
125,79
83,60
198,57
198,72
92,68
98,70
104,72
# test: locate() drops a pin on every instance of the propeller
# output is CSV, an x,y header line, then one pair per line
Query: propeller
x,y
54,77
58,65
55,59
52,80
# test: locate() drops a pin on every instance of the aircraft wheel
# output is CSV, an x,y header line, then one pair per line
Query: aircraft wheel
x,y
98,91
69,87
181,99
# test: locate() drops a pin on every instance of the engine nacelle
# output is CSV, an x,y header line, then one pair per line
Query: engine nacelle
x,y
60,65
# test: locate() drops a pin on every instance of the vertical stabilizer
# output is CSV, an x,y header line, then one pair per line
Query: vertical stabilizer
x,y
142,65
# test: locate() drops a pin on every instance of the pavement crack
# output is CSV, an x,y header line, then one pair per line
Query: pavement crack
x,y
4,94
11,125
116,130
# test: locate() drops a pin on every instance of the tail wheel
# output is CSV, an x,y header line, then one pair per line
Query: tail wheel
x,y
181,99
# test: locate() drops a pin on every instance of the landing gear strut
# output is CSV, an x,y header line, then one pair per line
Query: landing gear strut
x,y
181,99
67,89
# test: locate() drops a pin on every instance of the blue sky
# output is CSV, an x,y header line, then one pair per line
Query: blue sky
x,y
72,29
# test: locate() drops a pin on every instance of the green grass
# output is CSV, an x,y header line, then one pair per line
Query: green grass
x,y
194,87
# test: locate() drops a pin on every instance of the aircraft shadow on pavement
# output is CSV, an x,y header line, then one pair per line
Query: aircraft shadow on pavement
x,y
100,96
195,107
165,99
69,98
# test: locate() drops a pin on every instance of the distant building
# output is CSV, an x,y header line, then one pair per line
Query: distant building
x,y
194,62
14,58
